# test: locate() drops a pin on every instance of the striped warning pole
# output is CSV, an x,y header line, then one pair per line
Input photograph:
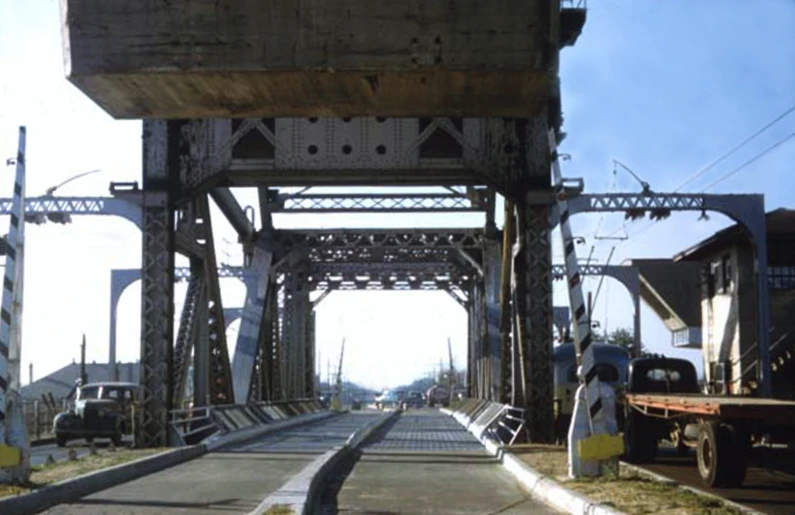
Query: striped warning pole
x,y
17,218
582,328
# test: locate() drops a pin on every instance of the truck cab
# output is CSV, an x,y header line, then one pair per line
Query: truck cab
x,y
100,410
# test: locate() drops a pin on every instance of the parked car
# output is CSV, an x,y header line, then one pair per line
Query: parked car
x,y
414,400
100,410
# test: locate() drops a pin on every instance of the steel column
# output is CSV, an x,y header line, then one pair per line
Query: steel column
x,y
249,336
472,364
201,352
309,371
492,343
186,333
536,286
221,389
160,155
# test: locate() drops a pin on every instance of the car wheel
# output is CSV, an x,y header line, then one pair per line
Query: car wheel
x,y
61,439
89,439
116,439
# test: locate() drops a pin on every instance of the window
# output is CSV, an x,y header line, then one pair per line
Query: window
x,y
607,373
110,393
661,374
89,392
781,277
726,269
716,274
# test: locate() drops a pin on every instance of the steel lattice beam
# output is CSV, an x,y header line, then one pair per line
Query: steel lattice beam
x,y
382,203
381,238
59,209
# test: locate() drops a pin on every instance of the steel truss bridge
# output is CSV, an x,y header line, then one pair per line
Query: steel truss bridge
x,y
274,356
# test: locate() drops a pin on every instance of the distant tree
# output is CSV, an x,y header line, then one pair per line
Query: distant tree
x,y
624,337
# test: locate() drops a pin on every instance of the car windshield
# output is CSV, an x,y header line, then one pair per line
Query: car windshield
x,y
116,393
89,392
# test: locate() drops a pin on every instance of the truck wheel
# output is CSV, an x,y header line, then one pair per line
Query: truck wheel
x,y
89,439
61,439
116,439
722,455
640,439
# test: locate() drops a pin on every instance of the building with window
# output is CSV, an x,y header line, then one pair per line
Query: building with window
x,y
729,307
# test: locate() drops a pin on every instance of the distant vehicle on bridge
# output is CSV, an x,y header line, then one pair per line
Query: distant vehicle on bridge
x,y
101,410
438,395
387,399
414,400
613,363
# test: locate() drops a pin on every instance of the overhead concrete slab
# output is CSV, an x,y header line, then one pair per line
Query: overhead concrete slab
x,y
330,58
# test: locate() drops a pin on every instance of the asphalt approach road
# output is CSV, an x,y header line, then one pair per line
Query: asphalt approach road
x,y
769,486
39,453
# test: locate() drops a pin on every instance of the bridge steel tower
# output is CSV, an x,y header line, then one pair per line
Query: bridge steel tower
x,y
328,100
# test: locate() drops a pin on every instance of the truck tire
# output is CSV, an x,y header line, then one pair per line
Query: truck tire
x,y
640,439
116,439
722,455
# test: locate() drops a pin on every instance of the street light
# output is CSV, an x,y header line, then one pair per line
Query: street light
x,y
50,191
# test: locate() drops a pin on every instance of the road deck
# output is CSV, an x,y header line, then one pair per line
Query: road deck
x,y
425,462
232,480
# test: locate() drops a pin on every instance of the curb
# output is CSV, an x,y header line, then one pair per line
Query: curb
x,y
70,490
300,492
659,478
547,490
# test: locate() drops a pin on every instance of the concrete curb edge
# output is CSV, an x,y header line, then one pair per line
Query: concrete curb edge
x,y
300,492
70,490
544,488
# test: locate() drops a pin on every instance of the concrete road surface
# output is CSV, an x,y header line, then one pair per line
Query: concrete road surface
x,y
426,463
233,480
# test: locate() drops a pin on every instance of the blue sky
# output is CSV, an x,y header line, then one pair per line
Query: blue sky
x,y
663,87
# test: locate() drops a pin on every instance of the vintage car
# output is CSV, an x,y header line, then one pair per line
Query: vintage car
x,y
100,410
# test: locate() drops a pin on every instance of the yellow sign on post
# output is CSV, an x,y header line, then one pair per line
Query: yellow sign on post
x,y
601,447
9,456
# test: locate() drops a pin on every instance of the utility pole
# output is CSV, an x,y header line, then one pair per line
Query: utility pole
x,y
83,375
336,402
451,379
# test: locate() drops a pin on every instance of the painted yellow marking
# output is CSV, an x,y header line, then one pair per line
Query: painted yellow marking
x,y
601,447
9,456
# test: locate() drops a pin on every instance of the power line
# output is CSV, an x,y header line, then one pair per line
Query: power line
x,y
734,149
735,171
722,158
749,162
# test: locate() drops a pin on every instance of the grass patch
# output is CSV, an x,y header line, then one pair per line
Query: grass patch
x,y
45,474
280,509
633,495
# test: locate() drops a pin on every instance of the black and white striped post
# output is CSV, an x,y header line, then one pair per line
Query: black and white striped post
x,y
597,422
6,310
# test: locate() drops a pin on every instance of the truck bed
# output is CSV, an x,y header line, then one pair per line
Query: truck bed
x,y
772,411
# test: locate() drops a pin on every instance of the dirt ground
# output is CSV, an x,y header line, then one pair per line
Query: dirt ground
x,y
632,495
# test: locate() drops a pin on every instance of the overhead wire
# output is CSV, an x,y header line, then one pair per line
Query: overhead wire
x,y
735,149
724,156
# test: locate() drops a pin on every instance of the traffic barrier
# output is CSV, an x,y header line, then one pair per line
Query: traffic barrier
x,y
548,490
